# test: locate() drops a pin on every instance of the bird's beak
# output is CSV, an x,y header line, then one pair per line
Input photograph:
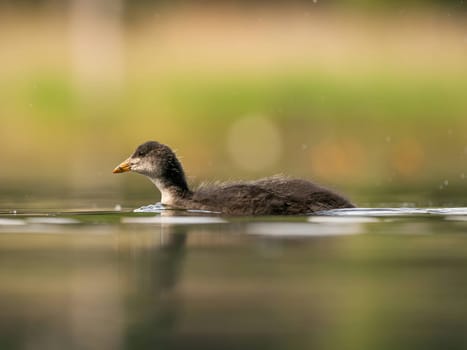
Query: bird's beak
x,y
122,167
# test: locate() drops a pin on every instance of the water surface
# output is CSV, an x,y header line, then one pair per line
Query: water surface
x,y
387,278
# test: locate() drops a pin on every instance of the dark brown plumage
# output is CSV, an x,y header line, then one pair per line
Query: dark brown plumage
x,y
277,195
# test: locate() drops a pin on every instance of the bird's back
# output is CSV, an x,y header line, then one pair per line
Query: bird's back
x,y
269,196
313,196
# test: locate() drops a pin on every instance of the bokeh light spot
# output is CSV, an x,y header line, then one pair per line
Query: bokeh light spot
x,y
338,158
408,157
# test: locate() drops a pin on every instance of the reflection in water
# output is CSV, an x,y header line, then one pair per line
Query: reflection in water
x,y
154,304
136,281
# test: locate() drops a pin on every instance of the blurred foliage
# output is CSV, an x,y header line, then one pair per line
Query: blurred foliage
x,y
136,8
357,100
138,3
373,128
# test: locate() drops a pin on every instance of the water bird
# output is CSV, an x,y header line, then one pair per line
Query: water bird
x,y
275,195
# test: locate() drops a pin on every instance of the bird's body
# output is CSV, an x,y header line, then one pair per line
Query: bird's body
x,y
277,195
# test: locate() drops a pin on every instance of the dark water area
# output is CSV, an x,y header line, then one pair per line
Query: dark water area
x,y
114,279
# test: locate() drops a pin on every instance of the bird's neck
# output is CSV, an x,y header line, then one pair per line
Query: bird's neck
x,y
172,193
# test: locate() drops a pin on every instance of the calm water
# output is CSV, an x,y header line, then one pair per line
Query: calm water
x,y
352,279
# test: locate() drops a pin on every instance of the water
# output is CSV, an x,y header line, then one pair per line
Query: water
x,y
389,278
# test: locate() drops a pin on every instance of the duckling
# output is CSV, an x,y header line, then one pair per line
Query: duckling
x,y
276,195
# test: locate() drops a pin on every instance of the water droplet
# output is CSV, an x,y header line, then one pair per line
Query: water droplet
x,y
118,207
388,139
446,183
315,1
463,176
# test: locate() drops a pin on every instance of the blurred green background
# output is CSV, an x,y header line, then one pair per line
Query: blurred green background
x,y
367,96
